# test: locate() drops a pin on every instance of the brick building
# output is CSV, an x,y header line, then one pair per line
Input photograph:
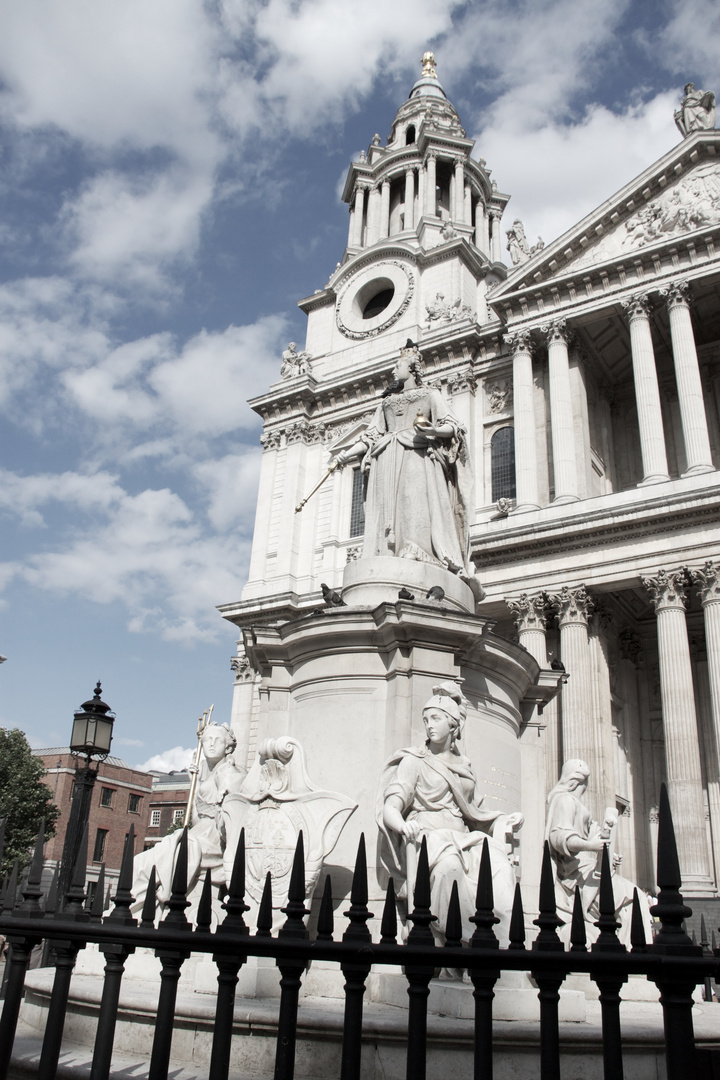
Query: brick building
x,y
121,797
168,800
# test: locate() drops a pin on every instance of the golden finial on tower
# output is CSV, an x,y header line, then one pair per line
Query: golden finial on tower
x,y
428,65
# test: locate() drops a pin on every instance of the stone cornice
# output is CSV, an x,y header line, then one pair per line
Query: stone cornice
x,y
581,528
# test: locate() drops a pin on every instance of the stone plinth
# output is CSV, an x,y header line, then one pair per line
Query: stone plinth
x,y
369,582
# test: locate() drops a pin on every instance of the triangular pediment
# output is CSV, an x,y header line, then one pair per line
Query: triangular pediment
x,y
678,196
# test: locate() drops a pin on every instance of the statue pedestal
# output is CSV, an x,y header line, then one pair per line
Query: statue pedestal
x,y
369,582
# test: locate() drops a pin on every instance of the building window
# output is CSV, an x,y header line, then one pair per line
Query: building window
x,y
106,796
410,135
178,816
502,463
134,803
99,849
357,508
154,818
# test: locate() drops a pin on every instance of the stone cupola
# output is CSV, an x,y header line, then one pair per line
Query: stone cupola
x,y
423,186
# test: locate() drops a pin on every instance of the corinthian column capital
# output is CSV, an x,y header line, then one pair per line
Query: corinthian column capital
x,y
528,611
707,582
667,590
637,306
676,294
556,331
572,605
520,341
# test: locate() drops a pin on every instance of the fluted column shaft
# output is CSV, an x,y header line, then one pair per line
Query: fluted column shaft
x,y
707,581
458,208
385,209
573,607
526,469
430,185
351,227
682,751
562,426
409,198
358,216
689,384
373,226
495,237
647,392
467,206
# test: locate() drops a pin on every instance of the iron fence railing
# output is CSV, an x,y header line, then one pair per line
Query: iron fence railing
x,y
671,961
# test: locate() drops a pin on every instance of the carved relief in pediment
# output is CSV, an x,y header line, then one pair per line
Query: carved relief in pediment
x,y
692,202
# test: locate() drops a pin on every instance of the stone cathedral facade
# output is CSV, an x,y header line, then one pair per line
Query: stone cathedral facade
x,y
587,375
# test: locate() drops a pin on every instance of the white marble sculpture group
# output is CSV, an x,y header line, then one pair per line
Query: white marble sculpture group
x,y
417,508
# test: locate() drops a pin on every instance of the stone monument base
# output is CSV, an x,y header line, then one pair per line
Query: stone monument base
x,y
369,582
516,1043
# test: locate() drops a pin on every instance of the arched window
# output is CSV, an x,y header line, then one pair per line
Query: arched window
x,y
410,135
357,506
502,464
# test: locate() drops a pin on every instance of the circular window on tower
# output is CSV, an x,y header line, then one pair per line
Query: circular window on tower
x,y
374,299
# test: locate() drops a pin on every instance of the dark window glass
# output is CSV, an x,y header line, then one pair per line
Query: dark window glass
x,y
106,796
99,849
378,303
357,511
502,459
410,135
133,804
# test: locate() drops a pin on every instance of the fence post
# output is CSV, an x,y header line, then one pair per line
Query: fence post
x,y
355,974
548,985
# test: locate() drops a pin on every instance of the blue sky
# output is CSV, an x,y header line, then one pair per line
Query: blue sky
x,y
169,187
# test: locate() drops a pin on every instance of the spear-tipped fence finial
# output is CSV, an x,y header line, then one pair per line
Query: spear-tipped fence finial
x,y
203,920
234,903
147,916
517,921
638,939
178,901
388,924
670,908
578,933
295,910
123,901
607,924
453,924
547,920
98,897
33,893
358,913
326,922
484,918
421,916
265,910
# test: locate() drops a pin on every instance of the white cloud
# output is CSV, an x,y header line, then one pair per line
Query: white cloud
x,y
175,760
229,485
558,173
689,44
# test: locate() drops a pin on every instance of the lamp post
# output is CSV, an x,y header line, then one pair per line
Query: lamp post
x,y
91,738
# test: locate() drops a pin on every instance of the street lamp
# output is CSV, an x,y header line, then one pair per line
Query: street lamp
x,y
91,738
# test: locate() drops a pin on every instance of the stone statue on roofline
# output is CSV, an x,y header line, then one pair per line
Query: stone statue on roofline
x,y
430,792
294,362
518,246
576,844
696,112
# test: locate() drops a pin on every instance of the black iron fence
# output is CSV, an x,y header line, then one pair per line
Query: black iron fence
x,y
671,961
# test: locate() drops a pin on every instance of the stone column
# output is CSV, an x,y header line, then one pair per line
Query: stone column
x,y
707,582
385,209
459,207
467,206
484,243
409,198
573,607
526,478
351,227
242,704
529,615
689,384
358,216
647,394
682,751
431,185
373,225
562,426
495,237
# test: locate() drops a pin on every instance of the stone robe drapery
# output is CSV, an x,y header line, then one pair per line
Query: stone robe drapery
x,y
418,492
441,797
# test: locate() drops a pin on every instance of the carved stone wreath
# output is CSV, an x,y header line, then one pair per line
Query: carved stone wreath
x,y
395,312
